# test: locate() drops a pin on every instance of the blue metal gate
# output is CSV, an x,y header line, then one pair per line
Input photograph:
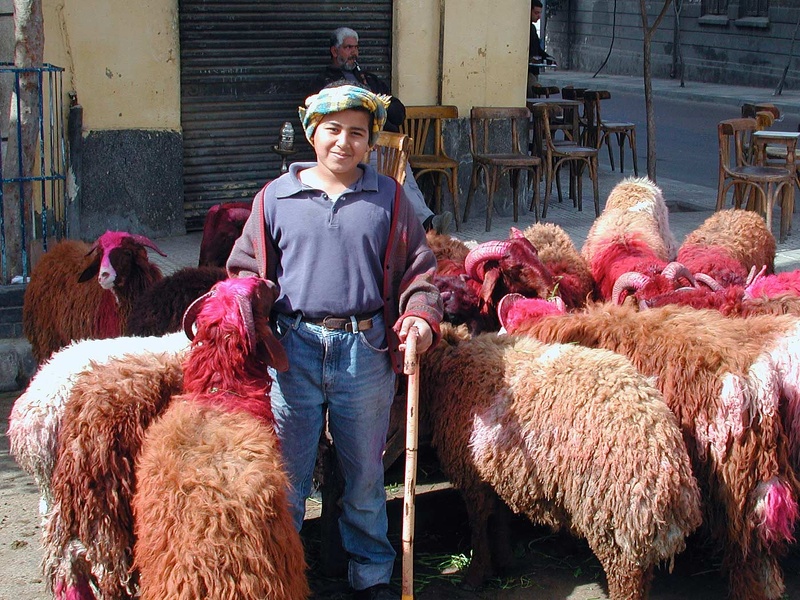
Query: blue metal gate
x,y
45,180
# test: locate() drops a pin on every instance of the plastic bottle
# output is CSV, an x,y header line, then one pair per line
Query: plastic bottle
x,y
287,137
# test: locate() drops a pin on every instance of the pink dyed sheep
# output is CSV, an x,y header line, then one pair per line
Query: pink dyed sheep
x,y
210,508
221,228
567,436
63,304
724,379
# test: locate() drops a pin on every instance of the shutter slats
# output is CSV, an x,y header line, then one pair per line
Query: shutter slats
x,y
245,68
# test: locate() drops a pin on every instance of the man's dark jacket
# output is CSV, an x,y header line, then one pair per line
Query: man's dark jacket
x,y
396,113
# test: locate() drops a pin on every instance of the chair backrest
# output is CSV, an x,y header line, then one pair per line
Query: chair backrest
x,y
735,142
391,152
542,134
482,120
417,126
591,111
751,110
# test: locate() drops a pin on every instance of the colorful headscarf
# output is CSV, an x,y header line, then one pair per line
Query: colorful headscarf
x,y
342,97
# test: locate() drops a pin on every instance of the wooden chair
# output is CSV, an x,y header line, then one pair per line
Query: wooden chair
x,y
600,131
737,169
392,152
555,155
440,166
493,165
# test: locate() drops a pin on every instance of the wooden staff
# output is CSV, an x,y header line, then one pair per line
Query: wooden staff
x,y
410,365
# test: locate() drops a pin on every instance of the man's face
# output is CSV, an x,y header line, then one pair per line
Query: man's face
x,y
346,55
536,14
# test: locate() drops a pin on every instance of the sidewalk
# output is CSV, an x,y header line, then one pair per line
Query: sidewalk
x,y
734,95
689,204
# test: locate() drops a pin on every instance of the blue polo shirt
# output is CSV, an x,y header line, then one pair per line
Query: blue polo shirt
x,y
330,251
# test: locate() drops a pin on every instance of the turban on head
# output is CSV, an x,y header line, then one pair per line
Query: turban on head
x,y
339,98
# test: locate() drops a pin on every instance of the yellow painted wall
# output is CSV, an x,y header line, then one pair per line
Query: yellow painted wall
x,y
121,57
484,52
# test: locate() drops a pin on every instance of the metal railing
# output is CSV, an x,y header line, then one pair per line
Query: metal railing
x,y
44,182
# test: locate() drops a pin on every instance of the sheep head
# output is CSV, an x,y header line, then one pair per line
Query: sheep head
x,y
120,260
514,310
509,266
234,318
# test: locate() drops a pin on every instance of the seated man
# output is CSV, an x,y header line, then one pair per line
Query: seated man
x,y
344,65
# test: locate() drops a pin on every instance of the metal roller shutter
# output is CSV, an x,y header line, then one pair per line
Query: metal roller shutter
x,y
245,68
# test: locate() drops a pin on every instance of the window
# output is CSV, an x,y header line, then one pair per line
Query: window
x,y
753,8
715,7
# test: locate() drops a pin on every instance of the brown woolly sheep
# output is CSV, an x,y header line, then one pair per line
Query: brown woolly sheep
x,y
109,409
447,248
725,387
567,436
160,309
559,254
210,508
635,205
743,234
63,302
37,414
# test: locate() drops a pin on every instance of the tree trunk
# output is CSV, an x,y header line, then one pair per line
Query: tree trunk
x,y
23,127
647,37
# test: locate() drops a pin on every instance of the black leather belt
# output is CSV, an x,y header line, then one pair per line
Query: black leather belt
x,y
363,322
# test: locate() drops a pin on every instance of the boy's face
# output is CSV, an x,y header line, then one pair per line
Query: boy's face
x,y
536,14
341,140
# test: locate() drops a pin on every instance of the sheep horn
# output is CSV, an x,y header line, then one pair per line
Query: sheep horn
x,y
709,281
515,232
246,313
190,315
559,302
493,250
752,279
675,270
147,242
632,280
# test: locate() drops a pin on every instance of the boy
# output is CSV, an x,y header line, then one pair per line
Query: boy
x,y
354,272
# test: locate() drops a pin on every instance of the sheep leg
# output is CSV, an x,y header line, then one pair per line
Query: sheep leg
x,y
754,577
626,579
500,532
481,502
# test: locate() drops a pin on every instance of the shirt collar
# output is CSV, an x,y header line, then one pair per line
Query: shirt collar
x,y
290,184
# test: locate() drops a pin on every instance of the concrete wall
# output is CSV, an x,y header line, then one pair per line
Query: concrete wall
x,y
121,62
719,49
462,52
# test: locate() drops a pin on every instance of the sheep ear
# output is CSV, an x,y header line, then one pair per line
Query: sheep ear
x,y
275,355
91,271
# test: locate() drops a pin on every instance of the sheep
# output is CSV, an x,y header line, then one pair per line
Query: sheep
x,y
211,513
61,304
36,415
740,234
110,407
557,252
221,228
725,387
567,436
631,234
160,309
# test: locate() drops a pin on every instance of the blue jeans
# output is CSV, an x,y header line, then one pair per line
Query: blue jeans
x,y
352,375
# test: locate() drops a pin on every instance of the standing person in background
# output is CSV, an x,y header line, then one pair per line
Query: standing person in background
x,y
354,271
344,66
536,52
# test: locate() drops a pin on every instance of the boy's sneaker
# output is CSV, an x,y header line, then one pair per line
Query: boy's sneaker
x,y
380,591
